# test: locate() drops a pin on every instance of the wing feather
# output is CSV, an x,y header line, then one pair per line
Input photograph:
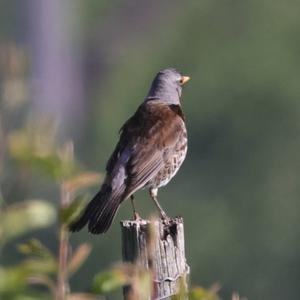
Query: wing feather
x,y
147,136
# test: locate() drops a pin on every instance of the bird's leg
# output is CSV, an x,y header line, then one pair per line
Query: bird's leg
x,y
153,195
136,216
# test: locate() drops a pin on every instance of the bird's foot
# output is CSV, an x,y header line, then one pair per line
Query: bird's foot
x,y
165,219
136,216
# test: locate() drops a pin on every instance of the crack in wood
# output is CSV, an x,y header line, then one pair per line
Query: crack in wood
x,y
157,247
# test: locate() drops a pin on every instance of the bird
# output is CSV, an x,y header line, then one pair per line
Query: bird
x,y
151,149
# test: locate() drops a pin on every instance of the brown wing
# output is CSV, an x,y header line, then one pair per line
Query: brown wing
x,y
146,138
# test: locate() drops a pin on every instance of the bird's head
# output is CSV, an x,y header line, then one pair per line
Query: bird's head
x,y
167,86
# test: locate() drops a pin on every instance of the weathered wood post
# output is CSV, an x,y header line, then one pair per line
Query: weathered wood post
x,y
158,247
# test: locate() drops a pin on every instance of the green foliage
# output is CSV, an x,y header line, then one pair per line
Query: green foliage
x,y
200,293
72,186
69,213
24,217
15,279
139,279
31,147
35,248
32,150
108,281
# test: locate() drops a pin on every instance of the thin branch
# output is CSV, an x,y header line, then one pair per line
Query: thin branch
x,y
62,274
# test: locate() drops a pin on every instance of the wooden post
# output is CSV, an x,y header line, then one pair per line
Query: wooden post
x,y
157,247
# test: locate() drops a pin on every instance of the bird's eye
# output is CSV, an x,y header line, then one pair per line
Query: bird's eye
x,y
181,81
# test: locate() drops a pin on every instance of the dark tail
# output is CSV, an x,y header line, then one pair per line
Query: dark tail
x,y
100,212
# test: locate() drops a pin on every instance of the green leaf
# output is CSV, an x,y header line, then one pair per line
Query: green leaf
x,y
14,284
14,279
125,274
108,281
40,266
37,150
35,248
200,293
26,216
70,213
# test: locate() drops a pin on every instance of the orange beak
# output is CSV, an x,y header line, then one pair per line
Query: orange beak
x,y
184,79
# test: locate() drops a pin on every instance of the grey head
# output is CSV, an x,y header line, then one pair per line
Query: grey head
x,y
167,86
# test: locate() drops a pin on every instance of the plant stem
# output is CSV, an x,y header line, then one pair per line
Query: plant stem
x,y
62,274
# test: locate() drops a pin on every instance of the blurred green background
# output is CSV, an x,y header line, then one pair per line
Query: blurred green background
x,y
90,63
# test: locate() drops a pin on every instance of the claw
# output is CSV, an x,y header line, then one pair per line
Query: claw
x,y
165,219
136,216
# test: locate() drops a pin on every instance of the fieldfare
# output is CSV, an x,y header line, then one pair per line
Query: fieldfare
x,y
151,149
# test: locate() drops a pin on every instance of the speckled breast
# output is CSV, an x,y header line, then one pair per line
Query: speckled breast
x,y
173,160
